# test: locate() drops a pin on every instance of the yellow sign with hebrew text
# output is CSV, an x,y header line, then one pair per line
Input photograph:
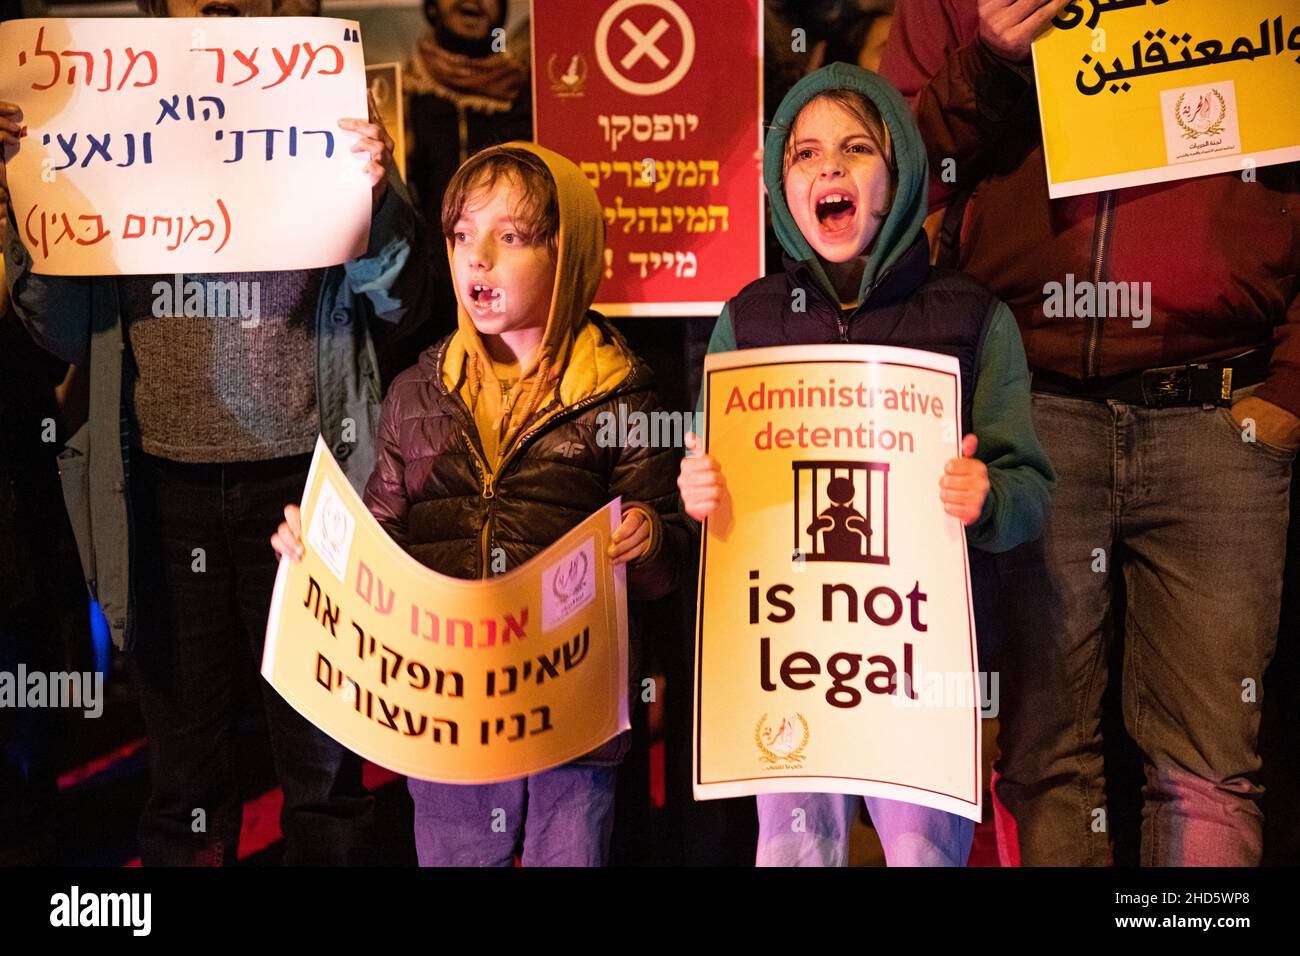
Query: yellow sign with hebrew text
x,y
441,678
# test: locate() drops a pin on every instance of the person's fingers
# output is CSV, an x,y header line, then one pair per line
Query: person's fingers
x,y
964,469
372,148
629,523
961,496
377,120
369,144
697,475
702,481
293,518
286,543
702,510
713,493
632,543
362,128
699,466
692,442
698,463
1035,22
965,516
968,446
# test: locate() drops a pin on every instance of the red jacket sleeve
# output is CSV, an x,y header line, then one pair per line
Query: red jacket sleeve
x,y
964,96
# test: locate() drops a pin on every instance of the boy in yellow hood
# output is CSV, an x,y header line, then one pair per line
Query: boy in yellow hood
x,y
491,447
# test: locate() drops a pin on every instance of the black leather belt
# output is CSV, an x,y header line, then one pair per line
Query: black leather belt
x,y
1204,383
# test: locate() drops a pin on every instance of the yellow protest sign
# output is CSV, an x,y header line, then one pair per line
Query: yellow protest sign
x,y
1145,91
442,678
835,642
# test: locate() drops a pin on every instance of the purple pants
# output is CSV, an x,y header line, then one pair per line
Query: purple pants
x,y
560,817
812,829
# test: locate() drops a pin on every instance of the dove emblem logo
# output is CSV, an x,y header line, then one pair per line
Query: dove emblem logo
x,y
1202,116
570,576
330,531
781,740
569,584
568,77
1200,122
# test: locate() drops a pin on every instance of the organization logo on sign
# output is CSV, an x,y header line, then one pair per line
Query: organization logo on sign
x,y
1202,116
330,532
781,740
573,80
569,584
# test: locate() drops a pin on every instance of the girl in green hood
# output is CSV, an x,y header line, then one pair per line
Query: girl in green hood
x,y
846,175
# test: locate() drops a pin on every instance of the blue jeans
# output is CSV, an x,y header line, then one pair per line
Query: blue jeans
x,y
562,817
812,829
1193,521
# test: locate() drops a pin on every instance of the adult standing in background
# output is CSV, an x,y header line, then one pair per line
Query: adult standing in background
x,y
1155,478
199,430
468,88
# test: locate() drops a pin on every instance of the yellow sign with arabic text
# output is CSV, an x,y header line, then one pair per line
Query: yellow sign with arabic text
x,y
1132,92
835,645
441,678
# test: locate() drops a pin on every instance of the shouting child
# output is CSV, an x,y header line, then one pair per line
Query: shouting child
x,y
846,172
489,450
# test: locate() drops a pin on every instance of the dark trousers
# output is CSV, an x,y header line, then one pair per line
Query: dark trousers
x,y
204,572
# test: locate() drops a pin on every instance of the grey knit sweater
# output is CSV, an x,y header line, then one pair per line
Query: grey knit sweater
x,y
224,365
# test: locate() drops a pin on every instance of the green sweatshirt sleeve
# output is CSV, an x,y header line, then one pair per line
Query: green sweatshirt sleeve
x,y
723,339
1020,476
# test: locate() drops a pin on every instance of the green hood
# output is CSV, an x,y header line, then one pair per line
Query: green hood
x,y
907,215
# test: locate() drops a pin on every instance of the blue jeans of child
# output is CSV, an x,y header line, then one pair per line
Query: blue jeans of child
x,y
812,829
1193,519
562,817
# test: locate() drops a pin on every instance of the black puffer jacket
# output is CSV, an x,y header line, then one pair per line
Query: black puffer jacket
x,y
432,493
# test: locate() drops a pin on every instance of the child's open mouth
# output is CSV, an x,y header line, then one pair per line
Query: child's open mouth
x,y
483,296
835,212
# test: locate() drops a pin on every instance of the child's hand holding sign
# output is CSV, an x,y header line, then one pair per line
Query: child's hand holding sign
x,y
965,483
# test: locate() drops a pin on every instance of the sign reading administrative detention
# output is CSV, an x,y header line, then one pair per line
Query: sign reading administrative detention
x,y
442,678
660,104
1146,91
835,645
188,145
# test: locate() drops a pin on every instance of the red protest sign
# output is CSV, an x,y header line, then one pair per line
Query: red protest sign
x,y
660,103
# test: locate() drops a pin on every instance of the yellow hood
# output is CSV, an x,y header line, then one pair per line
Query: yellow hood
x,y
576,356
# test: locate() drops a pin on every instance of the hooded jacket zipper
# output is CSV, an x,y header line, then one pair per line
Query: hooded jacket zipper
x,y
488,477
488,480
1101,241
843,324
